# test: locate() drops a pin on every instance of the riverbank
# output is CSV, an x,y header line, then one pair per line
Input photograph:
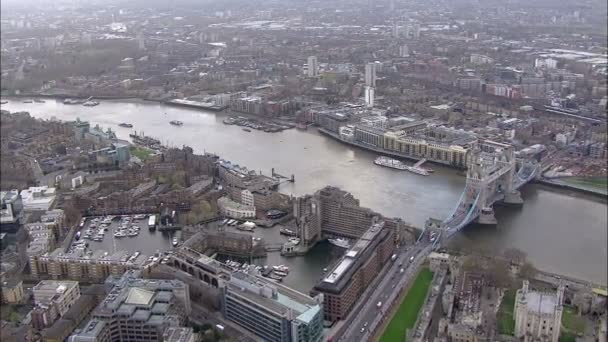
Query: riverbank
x,y
553,183
576,221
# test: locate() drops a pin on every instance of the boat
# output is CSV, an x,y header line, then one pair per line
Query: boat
x,y
174,242
295,241
281,268
70,101
396,164
176,122
343,243
126,125
3,102
90,103
285,231
246,130
28,101
39,101
389,162
275,277
280,274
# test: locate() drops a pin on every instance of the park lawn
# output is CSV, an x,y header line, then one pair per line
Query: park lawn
x,y
141,153
406,315
571,321
594,182
567,337
506,321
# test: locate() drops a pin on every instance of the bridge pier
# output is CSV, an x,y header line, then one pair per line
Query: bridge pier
x,y
486,216
513,198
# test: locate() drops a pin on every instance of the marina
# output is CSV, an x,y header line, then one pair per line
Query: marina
x,y
119,233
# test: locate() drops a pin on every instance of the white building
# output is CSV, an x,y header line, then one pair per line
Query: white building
x,y
38,198
247,198
369,96
377,121
313,66
548,63
404,51
232,209
538,315
370,75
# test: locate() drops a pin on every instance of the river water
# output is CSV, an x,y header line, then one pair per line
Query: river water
x,y
560,231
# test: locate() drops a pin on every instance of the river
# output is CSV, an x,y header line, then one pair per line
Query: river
x,y
561,231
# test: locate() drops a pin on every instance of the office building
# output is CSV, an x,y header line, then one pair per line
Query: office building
x,y
341,214
273,312
346,281
10,212
369,96
52,299
538,315
313,66
370,75
38,198
136,310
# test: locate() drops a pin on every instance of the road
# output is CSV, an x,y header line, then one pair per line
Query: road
x,y
360,322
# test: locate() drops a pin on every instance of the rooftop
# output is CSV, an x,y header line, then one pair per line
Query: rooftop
x,y
541,302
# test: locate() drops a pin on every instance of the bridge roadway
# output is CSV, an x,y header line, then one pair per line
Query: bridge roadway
x,y
365,314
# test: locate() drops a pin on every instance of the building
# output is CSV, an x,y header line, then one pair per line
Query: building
x,y
369,135
52,299
438,261
369,96
538,315
436,143
247,198
38,198
232,209
12,291
341,215
404,51
10,212
370,75
307,213
83,267
346,281
41,240
273,312
312,66
136,310
54,220
180,334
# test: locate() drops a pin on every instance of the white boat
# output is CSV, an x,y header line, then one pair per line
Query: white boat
x,y
174,242
396,164
90,103
343,243
280,274
281,268
295,241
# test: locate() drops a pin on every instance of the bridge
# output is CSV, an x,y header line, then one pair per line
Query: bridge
x,y
494,175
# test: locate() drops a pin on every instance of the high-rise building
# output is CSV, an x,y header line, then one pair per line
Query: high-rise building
x,y
141,42
273,312
369,96
538,315
313,66
137,310
370,74
404,51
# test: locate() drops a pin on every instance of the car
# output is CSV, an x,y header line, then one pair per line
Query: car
x,y
365,324
362,330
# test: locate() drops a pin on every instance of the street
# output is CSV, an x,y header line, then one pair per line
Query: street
x,y
361,322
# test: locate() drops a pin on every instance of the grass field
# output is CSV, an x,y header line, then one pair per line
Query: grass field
x,y
592,182
571,321
406,315
141,153
506,321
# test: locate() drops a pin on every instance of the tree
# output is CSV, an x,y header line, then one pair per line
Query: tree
x,y
527,270
515,255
